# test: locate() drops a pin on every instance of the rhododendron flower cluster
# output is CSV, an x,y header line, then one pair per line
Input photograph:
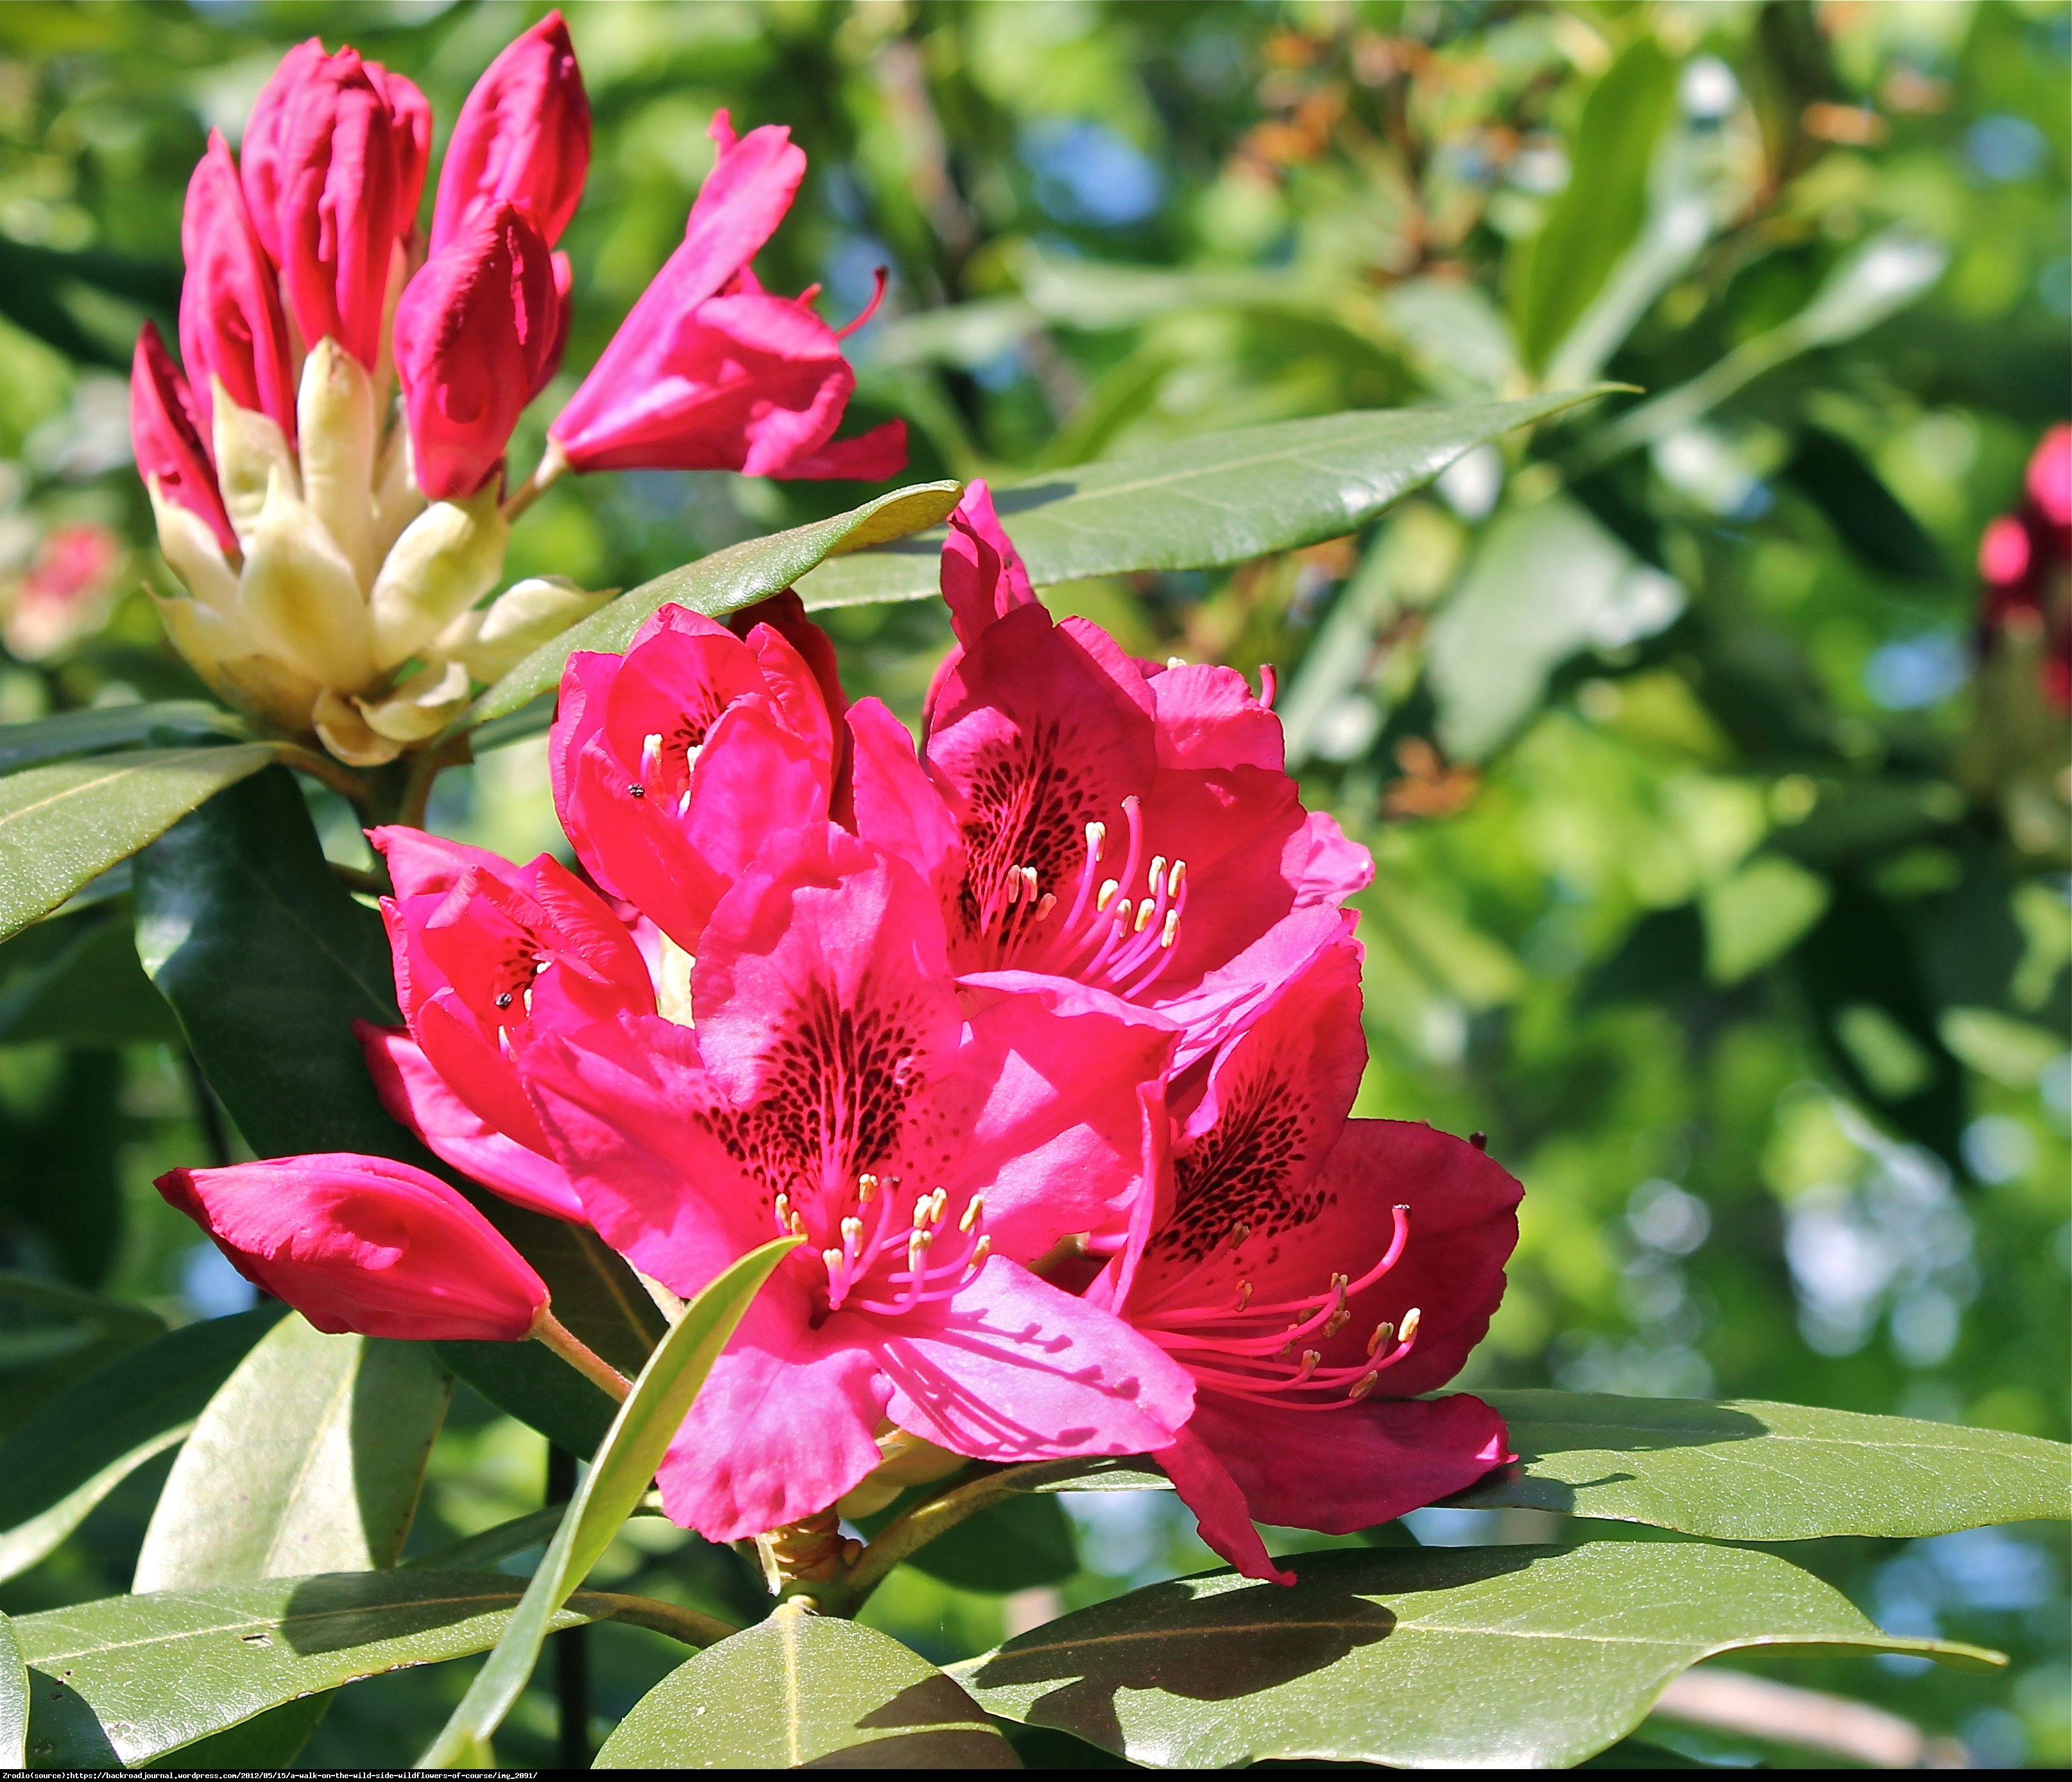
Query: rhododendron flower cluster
x,y
2025,563
1043,1035
327,460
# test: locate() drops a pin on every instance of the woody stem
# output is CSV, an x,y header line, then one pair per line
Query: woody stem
x,y
587,1361
426,768
552,467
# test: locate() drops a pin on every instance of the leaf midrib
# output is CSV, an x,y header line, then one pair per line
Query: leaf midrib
x,y
178,758
263,1624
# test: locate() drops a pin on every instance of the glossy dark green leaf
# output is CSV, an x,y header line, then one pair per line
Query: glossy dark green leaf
x,y
68,1454
129,1678
62,825
75,979
1218,498
54,1335
1508,1657
724,581
14,1700
310,1458
268,959
103,727
1744,1470
1596,218
1866,515
1011,1545
802,1690
620,1471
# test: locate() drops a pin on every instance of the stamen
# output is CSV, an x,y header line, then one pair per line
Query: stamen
x,y
1361,1387
1176,878
1383,1332
1410,1319
1046,904
1237,1234
1109,887
1144,915
1336,1322
974,1210
1243,1293
1096,838
866,1186
650,755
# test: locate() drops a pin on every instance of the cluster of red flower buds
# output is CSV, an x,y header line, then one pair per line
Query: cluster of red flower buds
x,y
328,472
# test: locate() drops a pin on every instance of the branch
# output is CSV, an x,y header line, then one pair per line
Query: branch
x,y
678,1623
1734,1701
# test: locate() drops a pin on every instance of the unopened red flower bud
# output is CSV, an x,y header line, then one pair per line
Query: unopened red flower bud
x,y
334,165
474,333
232,327
523,136
365,1244
165,431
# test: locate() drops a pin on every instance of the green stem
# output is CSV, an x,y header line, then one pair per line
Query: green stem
x,y
587,1361
424,768
920,1525
688,1625
349,785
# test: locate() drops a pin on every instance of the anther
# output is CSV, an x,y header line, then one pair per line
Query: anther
x,y
917,1248
981,1250
1014,887
798,1224
1310,1358
1144,912
833,1259
1363,1386
974,1212
1237,1234
1176,878
1109,887
651,754
1383,1332
1243,1294
852,1230
1045,904
1166,935
1157,867
1096,838
782,1206
1336,1322
1176,661
1410,1319
866,1186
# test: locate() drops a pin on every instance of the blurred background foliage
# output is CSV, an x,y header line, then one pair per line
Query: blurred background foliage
x,y
1722,856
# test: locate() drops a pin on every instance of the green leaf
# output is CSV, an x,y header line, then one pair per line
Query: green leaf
x,y
1547,582
640,1435
1219,498
1744,1470
1511,1657
72,1451
724,581
14,1702
309,1459
1866,515
75,979
1756,914
1011,1545
104,727
802,1690
268,959
129,1678
68,1336
1599,214
61,826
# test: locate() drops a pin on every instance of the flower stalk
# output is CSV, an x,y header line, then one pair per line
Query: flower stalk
x,y
550,1330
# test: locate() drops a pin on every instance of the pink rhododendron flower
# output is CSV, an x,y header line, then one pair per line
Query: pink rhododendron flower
x,y
672,763
476,331
833,1086
334,157
232,327
1312,1273
522,138
711,371
172,457
485,955
2025,563
365,1244
1086,815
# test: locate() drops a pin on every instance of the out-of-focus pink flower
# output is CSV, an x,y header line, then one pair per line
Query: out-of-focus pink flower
x,y
522,138
834,1088
1087,816
66,591
710,371
365,1244
474,332
165,432
1313,1274
232,327
2025,563
672,762
487,956
334,158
